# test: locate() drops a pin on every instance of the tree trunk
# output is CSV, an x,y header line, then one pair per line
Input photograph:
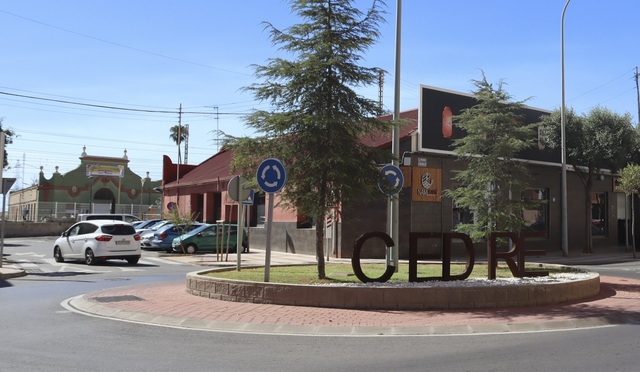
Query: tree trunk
x,y
633,225
588,248
320,246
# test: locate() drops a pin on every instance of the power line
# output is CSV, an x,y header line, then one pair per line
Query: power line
x,y
176,112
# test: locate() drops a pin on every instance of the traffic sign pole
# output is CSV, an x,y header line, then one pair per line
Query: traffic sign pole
x,y
2,140
390,182
272,176
267,256
237,191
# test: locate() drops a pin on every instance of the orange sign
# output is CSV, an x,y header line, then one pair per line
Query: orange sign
x,y
426,184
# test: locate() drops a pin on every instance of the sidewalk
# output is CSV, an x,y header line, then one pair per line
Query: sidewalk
x,y
168,304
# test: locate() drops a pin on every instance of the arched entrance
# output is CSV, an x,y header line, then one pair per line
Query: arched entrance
x,y
104,201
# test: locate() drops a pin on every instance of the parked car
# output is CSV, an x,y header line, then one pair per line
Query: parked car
x,y
152,227
207,238
107,216
164,236
146,235
98,240
144,224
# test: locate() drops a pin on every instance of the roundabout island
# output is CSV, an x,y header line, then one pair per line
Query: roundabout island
x,y
459,294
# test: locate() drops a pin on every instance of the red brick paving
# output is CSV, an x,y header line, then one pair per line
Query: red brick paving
x,y
618,302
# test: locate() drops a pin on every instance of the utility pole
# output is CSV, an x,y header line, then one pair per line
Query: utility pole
x,y
394,205
380,88
179,133
217,129
638,94
186,143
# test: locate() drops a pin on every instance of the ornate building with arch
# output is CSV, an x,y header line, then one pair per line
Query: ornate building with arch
x,y
100,184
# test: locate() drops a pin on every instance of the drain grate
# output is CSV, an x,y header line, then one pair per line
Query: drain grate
x,y
118,298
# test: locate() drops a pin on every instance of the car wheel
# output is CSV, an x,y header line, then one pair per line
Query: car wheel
x,y
89,258
57,254
133,260
191,249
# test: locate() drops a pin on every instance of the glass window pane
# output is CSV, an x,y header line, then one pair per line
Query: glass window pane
x,y
599,214
536,214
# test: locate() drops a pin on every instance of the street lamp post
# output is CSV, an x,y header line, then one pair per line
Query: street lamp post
x,y
90,194
141,195
565,234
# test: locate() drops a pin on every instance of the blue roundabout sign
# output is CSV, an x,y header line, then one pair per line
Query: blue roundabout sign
x,y
391,179
271,175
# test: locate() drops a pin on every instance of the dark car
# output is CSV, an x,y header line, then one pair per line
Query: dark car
x,y
209,238
164,236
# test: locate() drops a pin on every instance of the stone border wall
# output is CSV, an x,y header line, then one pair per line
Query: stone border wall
x,y
21,229
392,298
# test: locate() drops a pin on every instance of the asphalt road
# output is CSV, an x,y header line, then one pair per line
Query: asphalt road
x,y
38,334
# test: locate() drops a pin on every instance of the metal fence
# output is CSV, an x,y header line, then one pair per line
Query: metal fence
x,y
53,211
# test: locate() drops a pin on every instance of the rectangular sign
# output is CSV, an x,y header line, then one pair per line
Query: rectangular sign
x,y
426,184
438,129
105,170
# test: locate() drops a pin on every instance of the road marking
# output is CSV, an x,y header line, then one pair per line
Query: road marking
x,y
161,260
81,270
28,254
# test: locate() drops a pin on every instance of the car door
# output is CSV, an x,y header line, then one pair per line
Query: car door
x,y
206,239
65,243
78,241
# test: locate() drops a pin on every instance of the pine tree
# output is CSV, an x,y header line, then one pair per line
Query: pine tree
x,y
491,184
318,119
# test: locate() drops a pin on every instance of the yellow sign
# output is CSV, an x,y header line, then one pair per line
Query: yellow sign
x,y
426,184
105,170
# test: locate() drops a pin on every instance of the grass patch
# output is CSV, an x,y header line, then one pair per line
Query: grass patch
x,y
343,272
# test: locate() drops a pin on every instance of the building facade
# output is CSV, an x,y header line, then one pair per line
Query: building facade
x,y
429,165
99,184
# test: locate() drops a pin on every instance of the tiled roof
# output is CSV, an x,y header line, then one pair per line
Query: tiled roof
x,y
383,140
217,166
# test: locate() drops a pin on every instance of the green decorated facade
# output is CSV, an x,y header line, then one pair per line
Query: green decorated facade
x,y
100,184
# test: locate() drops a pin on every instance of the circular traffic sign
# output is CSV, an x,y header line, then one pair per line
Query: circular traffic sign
x,y
236,190
271,175
391,179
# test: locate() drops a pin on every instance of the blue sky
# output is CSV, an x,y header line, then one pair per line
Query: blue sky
x,y
156,55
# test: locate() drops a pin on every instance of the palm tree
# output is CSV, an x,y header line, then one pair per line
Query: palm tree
x,y
179,134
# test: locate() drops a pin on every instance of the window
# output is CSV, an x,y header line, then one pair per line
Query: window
x,y
462,215
599,225
536,210
305,222
118,229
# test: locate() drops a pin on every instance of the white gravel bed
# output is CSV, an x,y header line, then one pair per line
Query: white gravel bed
x,y
477,282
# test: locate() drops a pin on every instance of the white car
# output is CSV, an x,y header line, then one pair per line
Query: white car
x,y
98,240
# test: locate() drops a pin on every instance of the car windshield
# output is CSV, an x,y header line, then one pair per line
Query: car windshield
x,y
158,224
121,229
211,229
144,224
199,229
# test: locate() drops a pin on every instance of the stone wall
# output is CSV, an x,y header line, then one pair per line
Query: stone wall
x,y
393,298
13,229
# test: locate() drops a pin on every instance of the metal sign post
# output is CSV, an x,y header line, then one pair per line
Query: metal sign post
x,y
390,182
271,177
7,183
2,139
239,193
